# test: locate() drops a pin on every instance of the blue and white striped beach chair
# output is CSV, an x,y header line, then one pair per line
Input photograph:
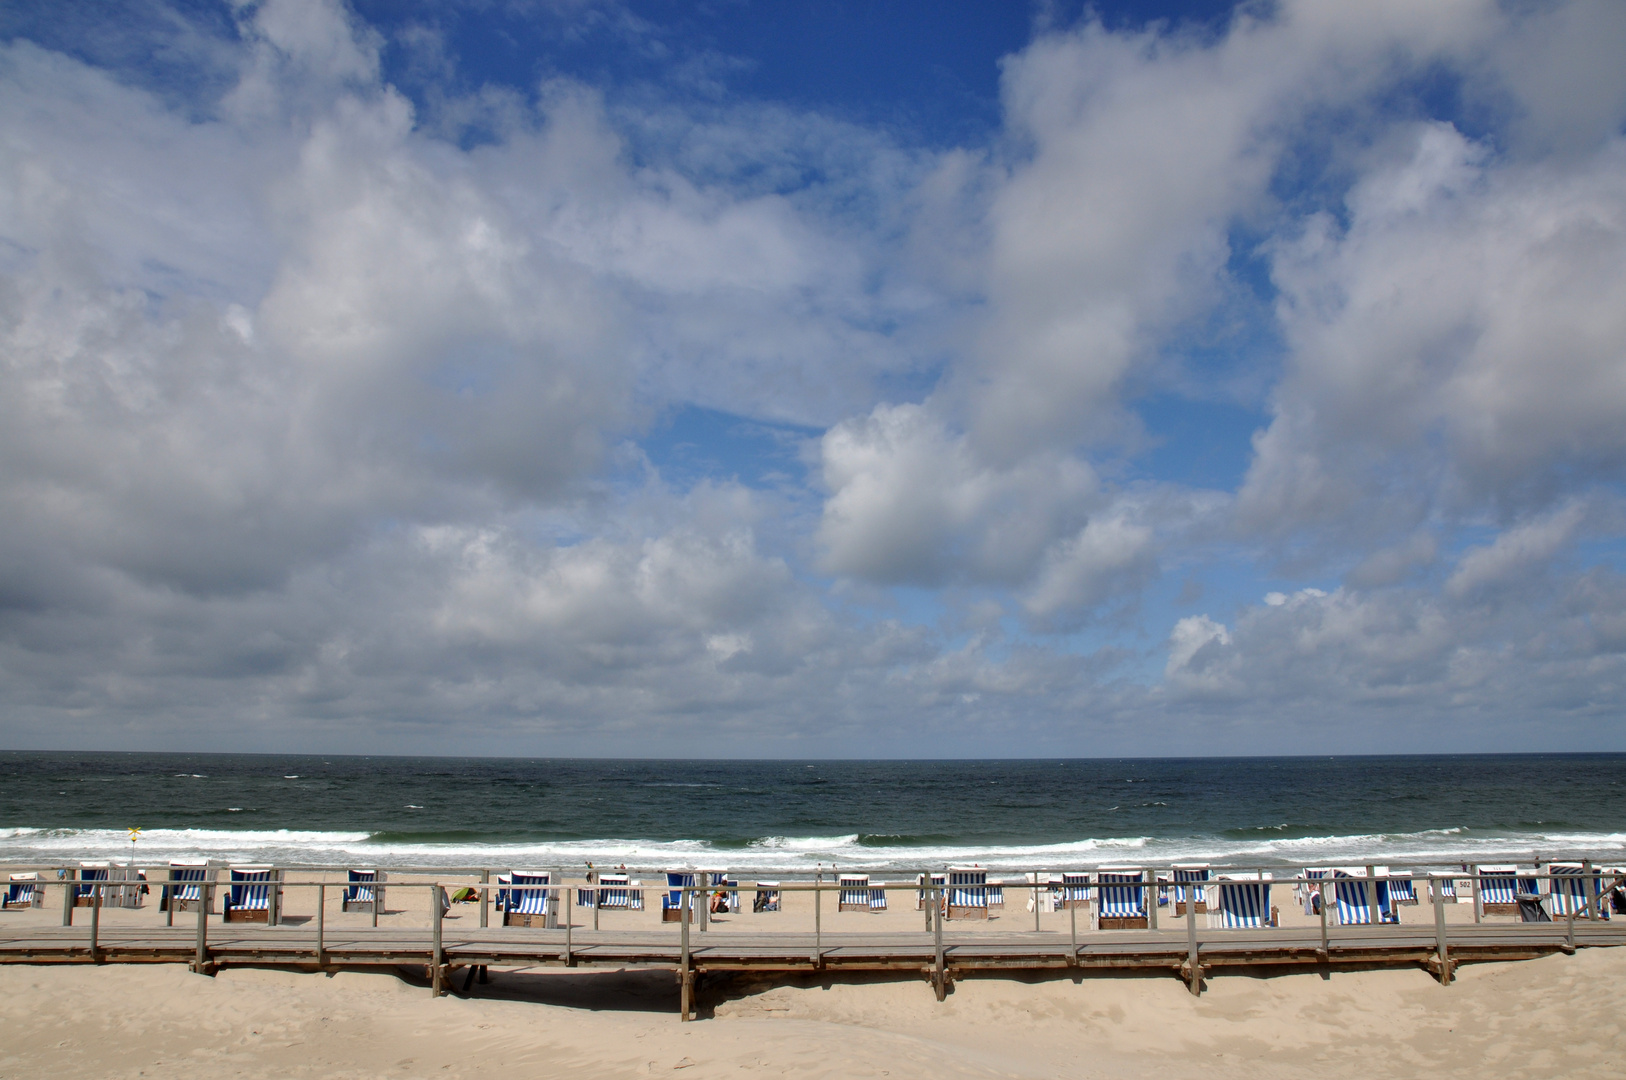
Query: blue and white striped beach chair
x,y
1241,902
23,890
1574,890
84,895
1185,876
1355,905
996,893
363,891
673,899
852,892
767,897
1444,890
251,895
1120,899
527,899
939,880
877,896
1075,890
967,892
615,892
1499,890
1401,888
184,890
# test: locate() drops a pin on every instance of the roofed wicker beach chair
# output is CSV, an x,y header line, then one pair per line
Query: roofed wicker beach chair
x,y
1308,892
85,895
253,894
852,892
1499,890
1075,889
1443,890
1361,900
767,897
23,890
1574,889
1184,875
673,900
877,896
1241,902
967,892
939,880
615,892
1120,899
363,891
1401,888
527,899
184,890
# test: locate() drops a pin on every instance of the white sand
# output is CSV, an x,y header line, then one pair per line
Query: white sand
x,y
1558,1016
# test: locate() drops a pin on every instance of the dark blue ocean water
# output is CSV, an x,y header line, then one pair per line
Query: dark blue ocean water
x,y
789,816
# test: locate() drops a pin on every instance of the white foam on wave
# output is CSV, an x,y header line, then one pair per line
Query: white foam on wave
x,y
791,855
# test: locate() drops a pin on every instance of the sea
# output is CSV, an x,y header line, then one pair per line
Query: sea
x,y
792,818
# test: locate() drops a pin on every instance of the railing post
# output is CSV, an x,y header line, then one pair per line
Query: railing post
x,y
435,949
1590,888
68,889
685,980
1479,901
1321,896
925,880
205,901
1151,898
95,924
818,919
1441,952
168,896
1371,895
1035,903
1192,959
570,959
1072,922
485,879
939,976
321,915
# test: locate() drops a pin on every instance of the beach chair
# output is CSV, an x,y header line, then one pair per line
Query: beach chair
x,y
615,892
852,892
1357,907
967,892
1121,899
939,880
877,897
23,890
1075,890
1185,875
528,900
1575,890
363,891
1308,892
767,896
252,895
996,894
1499,890
1241,902
1402,890
184,889
673,899
1444,890
84,895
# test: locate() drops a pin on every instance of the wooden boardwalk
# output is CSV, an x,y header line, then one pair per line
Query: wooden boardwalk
x,y
960,953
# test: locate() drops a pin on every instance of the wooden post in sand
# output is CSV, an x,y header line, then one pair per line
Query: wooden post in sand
x,y
95,924
1321,896
485,879
939,978
1191,947
1440,952
435,953
67,897
1371,895
1590,883
1072,914
1151,899
321,911
685,979
205,901
1035,903
1479,901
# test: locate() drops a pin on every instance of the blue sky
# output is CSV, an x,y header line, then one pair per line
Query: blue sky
x,y
599,377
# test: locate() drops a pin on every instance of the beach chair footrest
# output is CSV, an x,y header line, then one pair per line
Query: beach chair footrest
x,y
247,915
1114,922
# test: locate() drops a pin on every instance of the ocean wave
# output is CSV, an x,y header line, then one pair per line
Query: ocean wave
x,y
796,854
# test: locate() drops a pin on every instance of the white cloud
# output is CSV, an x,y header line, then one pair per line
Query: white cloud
x,y
1519,551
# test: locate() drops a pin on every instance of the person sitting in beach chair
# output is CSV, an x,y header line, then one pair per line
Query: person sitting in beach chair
x,y
767,896
23,890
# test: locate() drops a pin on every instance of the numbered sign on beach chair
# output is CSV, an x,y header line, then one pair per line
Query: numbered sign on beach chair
x,y
23,891
967,892
252,894
363,891
528,898
1574,890
184,890
1186,878
1361,900
767,896
674,900
1241,902
1120,899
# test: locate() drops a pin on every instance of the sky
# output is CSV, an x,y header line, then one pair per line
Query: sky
x,y
745,379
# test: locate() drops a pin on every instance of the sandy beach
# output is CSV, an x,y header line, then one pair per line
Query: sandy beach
x,y
1555,1016
1551,1017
